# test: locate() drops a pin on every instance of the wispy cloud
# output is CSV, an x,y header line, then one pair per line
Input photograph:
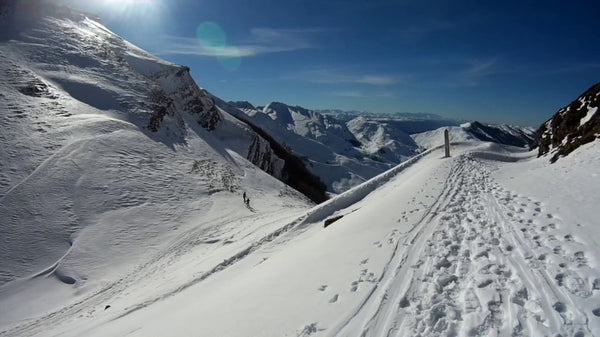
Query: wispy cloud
x,y
453,71
259,41
348,93
477,71
334,76
361,94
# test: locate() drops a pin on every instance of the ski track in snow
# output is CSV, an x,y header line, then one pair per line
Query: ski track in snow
x,y
482,261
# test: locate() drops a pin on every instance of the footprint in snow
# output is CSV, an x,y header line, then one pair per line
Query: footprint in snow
x,y
558,250
334,298
560,307
542,257
485,283
596,285
580,258
323,287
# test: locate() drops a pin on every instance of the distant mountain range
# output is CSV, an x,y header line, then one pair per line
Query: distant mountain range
x,y
413,116
345,148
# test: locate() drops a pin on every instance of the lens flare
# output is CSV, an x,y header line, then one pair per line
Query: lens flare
x,y
211,35
213,40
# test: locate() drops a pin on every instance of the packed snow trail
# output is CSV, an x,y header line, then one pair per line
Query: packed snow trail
x,y
482,261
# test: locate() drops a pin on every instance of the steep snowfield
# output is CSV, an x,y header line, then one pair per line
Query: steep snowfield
x,y
467,246
89,194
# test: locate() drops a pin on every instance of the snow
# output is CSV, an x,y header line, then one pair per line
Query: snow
x,y
469,245
88,194
107,229
590,113
433,138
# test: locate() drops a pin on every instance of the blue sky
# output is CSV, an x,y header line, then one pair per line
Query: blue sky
x,y
505,61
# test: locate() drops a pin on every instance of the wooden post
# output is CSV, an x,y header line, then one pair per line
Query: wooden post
x,y
447,142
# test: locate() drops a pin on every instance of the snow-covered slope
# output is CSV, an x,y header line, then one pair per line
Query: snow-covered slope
x,y
110,158
572,126
465,246
475,131
380,139
98,68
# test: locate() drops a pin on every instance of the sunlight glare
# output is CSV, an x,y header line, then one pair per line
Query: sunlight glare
x,y
150,9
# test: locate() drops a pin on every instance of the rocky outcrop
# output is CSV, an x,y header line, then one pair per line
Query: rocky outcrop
x,y
261,155
161,106
179,86
572,126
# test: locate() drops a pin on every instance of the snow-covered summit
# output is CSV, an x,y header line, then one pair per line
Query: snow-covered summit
x,y
380,139
572,126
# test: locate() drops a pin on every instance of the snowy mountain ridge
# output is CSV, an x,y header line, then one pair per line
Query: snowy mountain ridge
x,y
348,115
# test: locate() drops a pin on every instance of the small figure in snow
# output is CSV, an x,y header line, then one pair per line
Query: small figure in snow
x,y
244,196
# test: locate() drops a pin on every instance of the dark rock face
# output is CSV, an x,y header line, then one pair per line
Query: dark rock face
x,y
261,155
572,126
269,155
210,119
161,107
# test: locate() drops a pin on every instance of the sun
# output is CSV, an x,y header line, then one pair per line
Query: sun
x,y
127,3
128,7
136,12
